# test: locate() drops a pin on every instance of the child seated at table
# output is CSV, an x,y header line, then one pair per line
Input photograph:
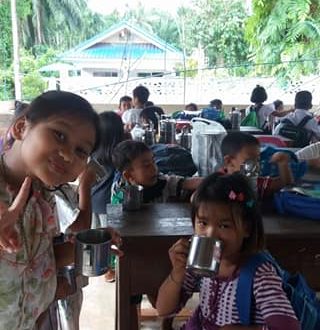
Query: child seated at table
x,y
135,164
238,147
224,207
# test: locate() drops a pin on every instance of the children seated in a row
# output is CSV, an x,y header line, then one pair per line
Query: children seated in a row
x,y
135,163
224,207
45,153
239,147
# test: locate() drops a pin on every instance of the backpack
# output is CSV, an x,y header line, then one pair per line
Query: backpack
x,y
300,136
298,168
251,119
290,202
303,299
173,159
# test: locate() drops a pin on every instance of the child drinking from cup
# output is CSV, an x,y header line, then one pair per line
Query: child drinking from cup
x,y
239,147
46,152
224,208
135,164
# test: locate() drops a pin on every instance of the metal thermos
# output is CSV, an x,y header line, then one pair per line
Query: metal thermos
x,y
235,119
250,169
204,255
167,131
92,252
149,137
186,138
133,197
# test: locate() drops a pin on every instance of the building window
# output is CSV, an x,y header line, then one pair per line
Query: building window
x,y
150,74
105,74
74,73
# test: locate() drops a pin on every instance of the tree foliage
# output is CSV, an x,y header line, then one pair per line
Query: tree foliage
x,y
218,27
286,34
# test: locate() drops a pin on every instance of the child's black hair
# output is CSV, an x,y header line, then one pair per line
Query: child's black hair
x,y
277,104
125,98
233,143
141,93
152,114
112,133
258,95
303,100
60,103
227,189
126,152
216,103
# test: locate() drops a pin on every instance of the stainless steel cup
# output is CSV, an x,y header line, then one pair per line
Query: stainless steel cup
x,y
204,255
92,252
133,197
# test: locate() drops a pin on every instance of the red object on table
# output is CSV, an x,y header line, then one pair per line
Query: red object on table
x,y
275,141
180,124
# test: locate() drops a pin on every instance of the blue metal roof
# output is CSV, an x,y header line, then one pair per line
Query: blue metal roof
x,y
133,51
92,48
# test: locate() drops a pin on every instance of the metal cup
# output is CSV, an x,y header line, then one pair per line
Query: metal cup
x,y
133,197
204,255
92,252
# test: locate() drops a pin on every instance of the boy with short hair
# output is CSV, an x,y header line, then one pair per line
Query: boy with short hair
x,y
140,97
135,163
125,103
238,147
302,105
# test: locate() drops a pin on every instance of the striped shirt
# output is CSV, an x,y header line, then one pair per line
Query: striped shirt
x,y
271,309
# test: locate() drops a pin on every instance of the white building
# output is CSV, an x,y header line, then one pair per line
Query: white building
x,y
119,56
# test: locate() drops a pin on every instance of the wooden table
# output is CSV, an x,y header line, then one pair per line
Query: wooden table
x,y
148,233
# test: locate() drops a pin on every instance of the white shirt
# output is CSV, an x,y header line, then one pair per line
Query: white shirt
x,y
296,117
309,152
131,116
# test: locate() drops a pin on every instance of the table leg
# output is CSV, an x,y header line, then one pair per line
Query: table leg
x,y
123,317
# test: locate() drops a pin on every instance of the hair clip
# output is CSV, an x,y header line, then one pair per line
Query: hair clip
x,y
232,195
236,197
250,203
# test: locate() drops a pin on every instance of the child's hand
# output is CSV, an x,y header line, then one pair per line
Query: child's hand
x,y
116,241
9,215
280,158
178,254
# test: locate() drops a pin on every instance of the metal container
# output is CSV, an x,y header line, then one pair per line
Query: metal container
x,y
235,119
167,131
149,137
92,252
251,169
133,197
204,255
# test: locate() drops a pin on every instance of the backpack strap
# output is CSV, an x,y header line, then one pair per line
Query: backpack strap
x,y
244,293
304,121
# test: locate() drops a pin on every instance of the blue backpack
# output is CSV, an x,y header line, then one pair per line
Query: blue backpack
x,y
287,202
302,298
298,168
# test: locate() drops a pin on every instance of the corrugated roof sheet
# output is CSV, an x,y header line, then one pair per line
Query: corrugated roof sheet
x,y
133,51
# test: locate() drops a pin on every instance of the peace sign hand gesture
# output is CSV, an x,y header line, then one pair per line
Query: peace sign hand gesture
x,y
9,215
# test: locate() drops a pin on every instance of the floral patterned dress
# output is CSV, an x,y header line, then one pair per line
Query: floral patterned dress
x,y
28,277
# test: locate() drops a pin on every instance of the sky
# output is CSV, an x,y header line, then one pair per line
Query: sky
x,y
107,6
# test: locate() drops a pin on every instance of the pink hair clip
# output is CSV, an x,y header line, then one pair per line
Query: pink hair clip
x,y
236,197
232,195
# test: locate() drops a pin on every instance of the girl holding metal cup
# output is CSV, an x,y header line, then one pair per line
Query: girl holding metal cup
x,y
224,209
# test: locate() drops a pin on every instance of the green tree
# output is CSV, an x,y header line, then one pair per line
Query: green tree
x,y
286,34
218,27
